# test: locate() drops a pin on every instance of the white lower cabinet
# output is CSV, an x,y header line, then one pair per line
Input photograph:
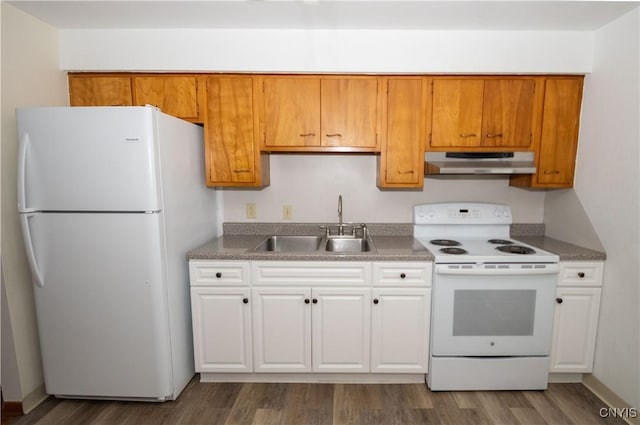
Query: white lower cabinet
x,y
400,320
575,321
282,329
221,329
310,317
575,327
311,329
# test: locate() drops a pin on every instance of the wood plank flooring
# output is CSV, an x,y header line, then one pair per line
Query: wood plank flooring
x,y
333,404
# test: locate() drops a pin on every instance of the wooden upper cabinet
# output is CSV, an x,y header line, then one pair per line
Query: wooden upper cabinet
x,y
401,161
174,95
92,90
290,112
483,113
556,153
232,154
349,112
319,113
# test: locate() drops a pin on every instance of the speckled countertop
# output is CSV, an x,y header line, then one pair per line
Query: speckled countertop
x,y
392,242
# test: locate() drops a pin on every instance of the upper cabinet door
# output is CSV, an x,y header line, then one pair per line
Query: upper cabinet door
x,y
105,90
456,113
349,116
231,154
290,112
483,113
559,135
507,115
402,152
174,95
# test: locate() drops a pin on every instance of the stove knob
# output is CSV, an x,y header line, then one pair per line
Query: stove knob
x,y
497,213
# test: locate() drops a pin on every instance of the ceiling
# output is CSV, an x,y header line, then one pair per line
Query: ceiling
x,y
554,15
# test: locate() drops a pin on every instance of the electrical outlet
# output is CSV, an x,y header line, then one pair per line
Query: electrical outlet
x,y
251,210
287,212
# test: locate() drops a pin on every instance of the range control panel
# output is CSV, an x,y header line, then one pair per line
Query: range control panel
x,y
462,213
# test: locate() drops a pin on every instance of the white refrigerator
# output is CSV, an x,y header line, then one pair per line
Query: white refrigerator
x,y
110,201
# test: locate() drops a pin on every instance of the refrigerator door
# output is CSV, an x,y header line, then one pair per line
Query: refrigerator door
x,y
88,159
101,304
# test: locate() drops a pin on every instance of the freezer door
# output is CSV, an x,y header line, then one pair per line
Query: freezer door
x,y
101,304
88,159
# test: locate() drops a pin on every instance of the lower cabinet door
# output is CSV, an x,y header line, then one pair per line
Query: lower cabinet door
x,y
341,329
575,324
400,330
221,329
282,329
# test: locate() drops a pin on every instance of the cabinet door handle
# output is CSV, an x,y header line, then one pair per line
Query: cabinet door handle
x,y
307,301
581,275
245,300
244,170
218,275
405,172
494,135
559,300
551,172
315,301
465,135
376,301
307,134
333,135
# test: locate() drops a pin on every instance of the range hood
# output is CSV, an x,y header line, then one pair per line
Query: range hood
x,y
479,163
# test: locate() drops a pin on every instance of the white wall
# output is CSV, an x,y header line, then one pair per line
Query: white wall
x,y
607,184
30,76
385,51
311,185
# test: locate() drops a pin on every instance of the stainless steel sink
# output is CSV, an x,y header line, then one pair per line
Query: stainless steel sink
x,y
348,245
278,243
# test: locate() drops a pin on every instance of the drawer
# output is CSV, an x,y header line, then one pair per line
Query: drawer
x,y
218,273
581,273
314,273
402,274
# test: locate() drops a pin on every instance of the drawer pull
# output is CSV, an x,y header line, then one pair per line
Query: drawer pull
x,y
492,135
376,301
402,275
307,134
245,300
333,135
580,275
551,172
559,300
218,275
465,135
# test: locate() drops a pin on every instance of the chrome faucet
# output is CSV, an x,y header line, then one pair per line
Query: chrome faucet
x,y
340,226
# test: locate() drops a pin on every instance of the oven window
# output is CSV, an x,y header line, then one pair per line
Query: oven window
x,y
504,312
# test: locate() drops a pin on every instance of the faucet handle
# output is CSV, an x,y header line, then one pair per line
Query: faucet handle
x,y
327,231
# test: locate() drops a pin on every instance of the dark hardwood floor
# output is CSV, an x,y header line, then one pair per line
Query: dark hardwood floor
x,y
298,404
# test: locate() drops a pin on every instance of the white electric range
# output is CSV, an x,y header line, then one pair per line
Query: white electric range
x,y
492,303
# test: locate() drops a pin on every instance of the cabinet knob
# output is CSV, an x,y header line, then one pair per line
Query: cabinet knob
x,y
559,300
376,301
245,300
580,275
315,301
307,301
218,275
403,275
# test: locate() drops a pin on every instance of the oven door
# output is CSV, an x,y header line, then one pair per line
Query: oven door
x,y
493,309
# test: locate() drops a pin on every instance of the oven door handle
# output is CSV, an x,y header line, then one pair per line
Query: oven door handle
x,y
482,270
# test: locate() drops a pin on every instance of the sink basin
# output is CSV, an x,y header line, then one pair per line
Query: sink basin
x,y
339,245
289,244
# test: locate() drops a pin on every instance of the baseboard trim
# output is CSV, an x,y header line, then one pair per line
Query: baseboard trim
x,y
609,397
12,408
332,378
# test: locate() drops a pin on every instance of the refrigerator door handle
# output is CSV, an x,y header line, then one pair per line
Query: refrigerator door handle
x,y
22,174
31,256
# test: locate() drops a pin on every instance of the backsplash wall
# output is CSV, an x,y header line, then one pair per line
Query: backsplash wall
x,y
310,184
